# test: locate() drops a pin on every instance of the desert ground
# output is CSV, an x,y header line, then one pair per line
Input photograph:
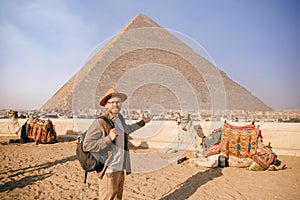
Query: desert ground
x,y
51,171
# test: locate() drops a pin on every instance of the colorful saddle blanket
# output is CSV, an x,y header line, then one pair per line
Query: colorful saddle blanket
x,y
212,150
213,138
263,156
240,141
39,131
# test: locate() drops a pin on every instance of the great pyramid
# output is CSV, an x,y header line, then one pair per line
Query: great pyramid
x,y
154,67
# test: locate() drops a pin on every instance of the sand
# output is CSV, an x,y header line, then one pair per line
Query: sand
x,y
51,171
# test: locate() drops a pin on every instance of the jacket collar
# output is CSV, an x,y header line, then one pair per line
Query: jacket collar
x,y
110,116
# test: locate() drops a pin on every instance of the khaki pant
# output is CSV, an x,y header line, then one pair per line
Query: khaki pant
x,y
111,186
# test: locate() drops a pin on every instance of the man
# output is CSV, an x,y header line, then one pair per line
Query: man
x,y
102,140
259,135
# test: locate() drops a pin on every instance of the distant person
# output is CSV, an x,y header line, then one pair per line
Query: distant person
x,y
259,135
100,139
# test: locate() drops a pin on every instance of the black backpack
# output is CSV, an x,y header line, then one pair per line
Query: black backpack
x,y
86,159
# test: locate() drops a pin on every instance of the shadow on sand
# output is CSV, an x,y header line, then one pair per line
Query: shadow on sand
x,y
190,186
28,180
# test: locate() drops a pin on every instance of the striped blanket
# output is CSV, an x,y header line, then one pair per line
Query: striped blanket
x,y
240,141
39,131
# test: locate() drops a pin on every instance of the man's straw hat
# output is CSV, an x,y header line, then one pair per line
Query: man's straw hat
x,y
112,93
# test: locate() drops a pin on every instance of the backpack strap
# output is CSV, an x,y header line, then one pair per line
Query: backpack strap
x,y
85,176
108,121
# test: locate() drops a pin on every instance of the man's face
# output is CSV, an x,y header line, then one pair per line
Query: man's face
x,y
114,105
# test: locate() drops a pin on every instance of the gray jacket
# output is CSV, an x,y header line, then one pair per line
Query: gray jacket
x,y
99,144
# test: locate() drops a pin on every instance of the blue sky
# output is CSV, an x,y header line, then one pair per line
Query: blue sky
x,y
43,43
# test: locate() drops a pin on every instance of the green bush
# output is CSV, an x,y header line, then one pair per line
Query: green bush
x,y
292,120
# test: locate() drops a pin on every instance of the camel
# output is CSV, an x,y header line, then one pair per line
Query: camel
x,y
13,123
241,148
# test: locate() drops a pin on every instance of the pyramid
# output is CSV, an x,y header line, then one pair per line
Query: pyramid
x,y
154,67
